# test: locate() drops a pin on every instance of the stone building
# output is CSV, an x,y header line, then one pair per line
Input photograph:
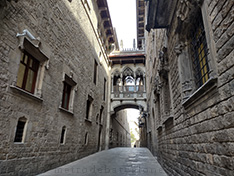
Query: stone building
x,y
119,130
54,82
127,90
190,86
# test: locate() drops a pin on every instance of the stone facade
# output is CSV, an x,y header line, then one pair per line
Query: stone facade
x,y
69,41
119,130
190,127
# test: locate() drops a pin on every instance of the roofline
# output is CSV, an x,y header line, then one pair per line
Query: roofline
x,y
132,55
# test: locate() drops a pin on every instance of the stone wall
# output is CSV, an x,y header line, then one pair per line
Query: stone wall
x,y
120,130
197,137
68,40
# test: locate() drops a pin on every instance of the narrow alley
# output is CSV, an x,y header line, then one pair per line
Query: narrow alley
x,y
75,94
113,162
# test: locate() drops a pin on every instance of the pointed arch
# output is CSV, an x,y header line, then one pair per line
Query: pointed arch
x,y
139,72
116,72
128,72
116,79
139,79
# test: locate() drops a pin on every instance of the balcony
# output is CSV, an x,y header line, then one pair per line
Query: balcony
x,y
128,92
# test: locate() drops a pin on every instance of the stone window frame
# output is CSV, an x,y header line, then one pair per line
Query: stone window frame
x,y
190,92
23,135
69,81
95,72
63,135
66,95
37,51
199,52
89,109
101,115
86,141
27,64
104,89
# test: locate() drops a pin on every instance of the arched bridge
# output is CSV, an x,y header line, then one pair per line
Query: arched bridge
x,y
128,80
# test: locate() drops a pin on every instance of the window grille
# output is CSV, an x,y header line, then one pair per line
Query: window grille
x,y
199,52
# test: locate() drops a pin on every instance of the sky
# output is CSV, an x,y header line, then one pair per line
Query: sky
x,y
123,16
132,115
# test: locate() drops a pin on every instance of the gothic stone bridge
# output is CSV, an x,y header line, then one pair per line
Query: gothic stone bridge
x,y
128,80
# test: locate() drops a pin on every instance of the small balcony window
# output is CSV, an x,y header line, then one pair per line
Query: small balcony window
x,y
66,95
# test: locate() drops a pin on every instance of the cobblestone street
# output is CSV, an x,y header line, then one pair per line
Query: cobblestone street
x,y
114,162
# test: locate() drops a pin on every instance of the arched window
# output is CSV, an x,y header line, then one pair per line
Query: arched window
x,y
116,77
127,73
139,80
20,130
116,80
129,80
129,83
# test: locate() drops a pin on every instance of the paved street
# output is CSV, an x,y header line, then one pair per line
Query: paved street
x,y
113,162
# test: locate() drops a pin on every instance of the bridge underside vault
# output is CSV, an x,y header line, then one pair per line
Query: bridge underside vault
x,y
118,106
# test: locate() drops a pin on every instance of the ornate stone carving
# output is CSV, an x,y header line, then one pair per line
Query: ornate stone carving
x,y
163,63
128,72
199,2
116,73
179,47
157,85
139,72
186,89
183,10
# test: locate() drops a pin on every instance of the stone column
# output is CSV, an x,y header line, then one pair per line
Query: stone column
x,y
112,83
184,67
134,81
122,83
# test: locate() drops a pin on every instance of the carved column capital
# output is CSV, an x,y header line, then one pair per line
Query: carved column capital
x,y
183,10
179,47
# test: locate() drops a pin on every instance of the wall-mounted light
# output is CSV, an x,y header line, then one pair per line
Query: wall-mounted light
x,y
28,34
